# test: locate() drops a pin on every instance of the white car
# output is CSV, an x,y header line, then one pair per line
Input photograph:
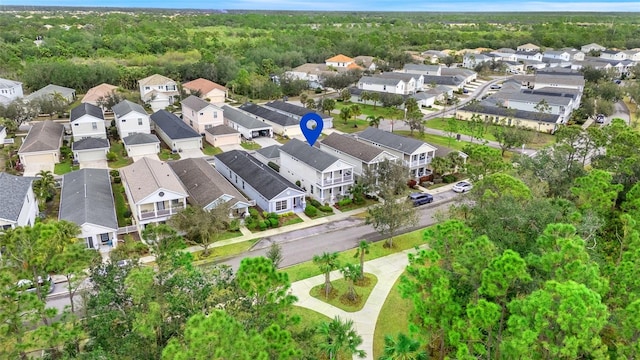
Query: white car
x,y
462,187
28,285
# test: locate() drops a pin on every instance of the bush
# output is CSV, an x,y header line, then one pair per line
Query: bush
x,y
315,203
117,180
114,173
326,208
290,213
234,225
425,178
344,202
272,215
448,179
111,156
253,213
250,222
412,183
126,213
274,166
262,225
274,222
310,210
298,183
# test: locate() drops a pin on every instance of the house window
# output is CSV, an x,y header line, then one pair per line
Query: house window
x,y
281,205
215,115
201,113
311,188
139,121
191,122
147,88
208,126
243,185
176,202
94,125
160,87
123,120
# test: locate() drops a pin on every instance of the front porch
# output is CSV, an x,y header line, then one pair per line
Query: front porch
x,y
160,210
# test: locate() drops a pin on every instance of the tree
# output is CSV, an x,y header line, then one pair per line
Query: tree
x,y
328,105
510,136
361,251
72,263
542,108
45,186
310,104
345,95
275,254
345,113
390,177
483,160
327,262
365,96
402,347
596,191
351,274
303,98
415,121
18,111
439,165
110,100
375,97
451,129
202,227
394,214
339,336
374,120
51,105
355,111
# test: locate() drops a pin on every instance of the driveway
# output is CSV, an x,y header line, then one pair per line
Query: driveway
x,y
226,148
33,169
150,156
191,153
96,164
265,141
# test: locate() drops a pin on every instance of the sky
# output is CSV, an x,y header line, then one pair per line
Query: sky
x,y
355,5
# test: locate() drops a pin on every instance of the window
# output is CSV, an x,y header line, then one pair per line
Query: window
x,y
94,125
147,88
201,113
139,121
215,115
281,205
243,185
311,188
123,120
208,126
190,122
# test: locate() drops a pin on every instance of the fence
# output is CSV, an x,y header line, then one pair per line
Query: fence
x,y
127,229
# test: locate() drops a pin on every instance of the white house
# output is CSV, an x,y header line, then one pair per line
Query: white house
x,y
9,91
159,91
153,190
613,55
386,85
248,126
633,55
563,81
222,135
341,61
90,149
414,82
361,155
323,176
271,191
209,91
3,134
19,205
421,69
281,124
87,120
139,145
416,154
528,47
366,62
175,133
527,101
470,61
131,118
528,55
49,91
86,199
560,55
592,47
201,115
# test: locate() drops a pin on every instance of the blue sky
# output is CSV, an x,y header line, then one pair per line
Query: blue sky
x,y
358,5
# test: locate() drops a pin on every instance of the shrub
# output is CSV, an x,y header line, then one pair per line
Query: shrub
x,y
234,225
250,222
344,202
412,183
126,213
117,180
272,215
114,173
425,178
326,208
290,213
262,225
274,166
315,203
253,213
448,179
111,156
274,222
298,183
310,210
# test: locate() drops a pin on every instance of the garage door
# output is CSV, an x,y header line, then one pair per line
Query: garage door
x,y
221,140
142,150
39,159
91,155
188,144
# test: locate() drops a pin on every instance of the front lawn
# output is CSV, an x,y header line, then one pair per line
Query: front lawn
x,y
117,147
441,141
209,149
393,318
351,126
353,206
64,167
223,251
338,295
122,209
366,110
250,145
166,154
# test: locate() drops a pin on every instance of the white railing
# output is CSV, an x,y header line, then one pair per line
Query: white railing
x,y
418,162
334,181
158,213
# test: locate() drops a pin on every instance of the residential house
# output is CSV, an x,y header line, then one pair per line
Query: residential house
x,y
528,55
10,90
3,134
174,132
297,112
40,150
139,145
19,205
207,188
618,55
313,73
592,47
633,55
528,47
468,75
557,54
569,81
574,55
50,91
271,191
599,64
490,112
87,121
504,54
131,118
268,154
222,135
158,91
528,101
425,99
86,199
470,61
366,62
323,176
363,156
422,69
282,125
384,85
341,61
153,190
433,56
249,127
416,154
201,115
96,93
514,67
90,149
455,82
209,91
414,82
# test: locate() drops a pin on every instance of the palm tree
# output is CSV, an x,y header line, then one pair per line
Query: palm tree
x,y
303,98
365,96
375,97
44,188
361,251
374,120
345,113
402,348
351,273
310,104
327,262
340,337
355,111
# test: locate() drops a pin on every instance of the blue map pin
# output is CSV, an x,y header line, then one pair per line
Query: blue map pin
x,y
311,125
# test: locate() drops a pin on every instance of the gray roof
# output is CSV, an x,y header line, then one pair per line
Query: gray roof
x,y
554,52
535,97
43,136
195,103
379,80
350,146
270,152
234,115
221,130
50,90
124,107
270,115
203,183
527,53
562,80
86,198
139,139
262,178
8,84
90,143
491,109
420,67
450,80
146,176
86,109
453,71
402,144
293,109
13,190
406,77
309,155
558,71
612,52
173,126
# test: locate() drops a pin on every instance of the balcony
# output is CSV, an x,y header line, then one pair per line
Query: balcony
x,y
145,215
335,181
420,162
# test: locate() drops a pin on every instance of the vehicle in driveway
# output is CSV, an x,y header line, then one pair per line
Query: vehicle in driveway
x,y
420,198
28,285
600,118
462,187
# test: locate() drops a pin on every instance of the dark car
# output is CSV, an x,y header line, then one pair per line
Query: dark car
x,y
600,118
420,198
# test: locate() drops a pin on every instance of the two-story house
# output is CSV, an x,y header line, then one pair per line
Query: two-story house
x,y
10,90
297,112
201,115
208,90
528,55
557,54
528,47
131,118
87,121
19,205
153,190
592,47
421,69
414,82
528,101
363,156
341,61
159,91
415,154
385,85
613,55
323,176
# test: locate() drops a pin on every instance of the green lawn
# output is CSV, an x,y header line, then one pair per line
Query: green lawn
x,y
376,250
349,127
209,149
435,139
352,206
250,145
121,204
379,110
117,148
393,318
165,154
64,167
338,294
293,220
223,251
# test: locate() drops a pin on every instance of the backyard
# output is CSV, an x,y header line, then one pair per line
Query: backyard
x,y
117,147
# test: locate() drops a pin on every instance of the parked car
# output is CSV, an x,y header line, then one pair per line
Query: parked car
x,y
28,285
462,187
420,198
600,118
495,87
465,91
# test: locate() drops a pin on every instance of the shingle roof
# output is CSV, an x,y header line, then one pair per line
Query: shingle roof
x,y
270,115
379,80
339,58
203,183
270,152
124,107
139,139
452,71
13,190
612,52
89,144
420,67
490,109
97,92
49,91
293,109
350,146
86,109
262,178
146,176
531,97
172,125
221,130
562,80
234,115
450,80
309,155
155,79
406,77
203,85
43,136
8,84
195,103
86,198
400,143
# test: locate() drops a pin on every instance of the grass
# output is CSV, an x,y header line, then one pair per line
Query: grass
x,y
442,141
117,147
376,250
633,111
209,149
366,110
165,154
393,318
353,206
121,204
250,145
338,298
64,167
292,220
223,251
